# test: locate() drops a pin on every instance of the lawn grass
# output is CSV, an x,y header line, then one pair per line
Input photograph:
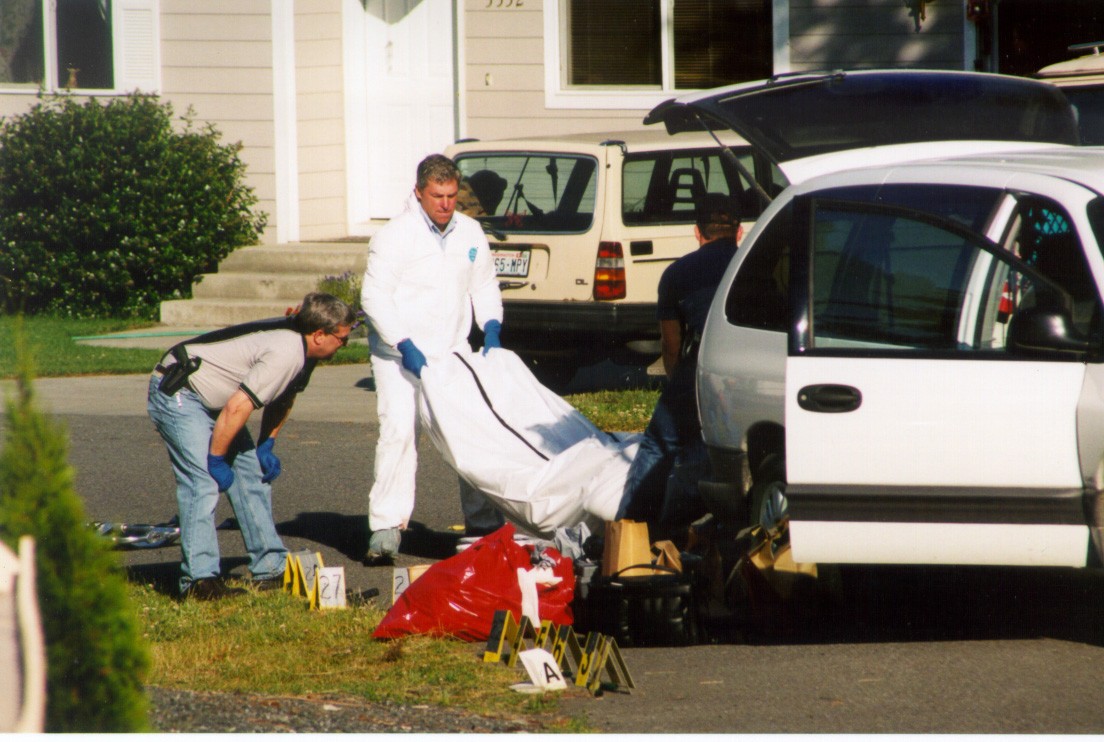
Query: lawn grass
x,y
621,410
56,353
271,643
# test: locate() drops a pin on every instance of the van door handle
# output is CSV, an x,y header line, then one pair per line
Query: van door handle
x,y
829,398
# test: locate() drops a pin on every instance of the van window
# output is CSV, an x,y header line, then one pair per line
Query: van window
x,y
899,280
759,296
662,187
1041,234
885,279
1096,219
529,192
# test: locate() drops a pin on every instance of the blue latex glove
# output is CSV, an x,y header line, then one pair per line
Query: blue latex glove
x,y
220,471
270,463
490,335
412,358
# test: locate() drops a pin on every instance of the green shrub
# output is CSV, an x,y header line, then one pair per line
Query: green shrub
x,y
96,656
106,209
345,286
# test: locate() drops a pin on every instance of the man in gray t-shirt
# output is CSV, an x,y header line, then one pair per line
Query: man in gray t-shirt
x,y
201,396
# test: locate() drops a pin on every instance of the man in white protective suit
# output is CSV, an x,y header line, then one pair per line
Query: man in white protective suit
x,y
428,270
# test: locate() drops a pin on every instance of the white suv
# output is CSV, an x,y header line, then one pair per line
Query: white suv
x,y
1082,80
582,227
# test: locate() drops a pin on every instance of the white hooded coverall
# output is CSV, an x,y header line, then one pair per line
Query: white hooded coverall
x,y
422,285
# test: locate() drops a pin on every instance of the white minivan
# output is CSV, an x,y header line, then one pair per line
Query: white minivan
x,y
913,354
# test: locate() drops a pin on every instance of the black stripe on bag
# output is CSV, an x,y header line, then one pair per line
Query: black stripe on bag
x,y
487,400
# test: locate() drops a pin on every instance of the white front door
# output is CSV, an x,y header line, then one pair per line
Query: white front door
x,y
917,429
411,99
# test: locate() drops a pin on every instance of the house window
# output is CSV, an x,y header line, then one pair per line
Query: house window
x,y
719,42
666,44
21,43
614,42
83,51
88,45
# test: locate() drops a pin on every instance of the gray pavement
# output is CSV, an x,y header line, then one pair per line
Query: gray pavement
x,y
944,650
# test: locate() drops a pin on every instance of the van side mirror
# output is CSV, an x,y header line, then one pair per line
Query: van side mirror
x,y
1046,331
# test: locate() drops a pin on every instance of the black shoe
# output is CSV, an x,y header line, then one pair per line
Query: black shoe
x,y
267,584
375,559
211,588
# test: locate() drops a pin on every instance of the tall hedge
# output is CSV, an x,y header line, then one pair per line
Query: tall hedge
x,y
108,208
95,654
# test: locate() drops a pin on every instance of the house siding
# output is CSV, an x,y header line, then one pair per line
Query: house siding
x,y
228,47
875,33
321,125
209,46
503,79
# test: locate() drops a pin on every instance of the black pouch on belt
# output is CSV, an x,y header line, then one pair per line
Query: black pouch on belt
x,y
176,376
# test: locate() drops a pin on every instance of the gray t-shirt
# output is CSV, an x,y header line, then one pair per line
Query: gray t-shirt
x,y
263,359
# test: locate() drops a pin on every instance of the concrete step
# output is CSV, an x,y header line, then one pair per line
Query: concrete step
x,y
262,281
323,258
241,285
221,312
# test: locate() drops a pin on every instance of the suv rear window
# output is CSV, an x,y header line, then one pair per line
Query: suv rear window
x,y
529,192
1089,102
662,187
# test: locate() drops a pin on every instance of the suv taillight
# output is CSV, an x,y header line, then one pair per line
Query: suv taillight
x,y
609,272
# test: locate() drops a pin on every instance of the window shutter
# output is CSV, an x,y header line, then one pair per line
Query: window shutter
x,y
138,46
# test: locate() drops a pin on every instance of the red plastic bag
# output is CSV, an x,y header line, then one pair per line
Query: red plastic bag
x,y
459,596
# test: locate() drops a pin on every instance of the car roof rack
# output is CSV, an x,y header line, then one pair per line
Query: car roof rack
x,y
1091,46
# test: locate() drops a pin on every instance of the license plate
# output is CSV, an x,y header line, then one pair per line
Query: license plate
x,y
511,262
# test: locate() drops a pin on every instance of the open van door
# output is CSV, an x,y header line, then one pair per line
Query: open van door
x,y
930,418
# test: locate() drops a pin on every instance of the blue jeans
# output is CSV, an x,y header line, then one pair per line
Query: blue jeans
x,y
185,425
661,485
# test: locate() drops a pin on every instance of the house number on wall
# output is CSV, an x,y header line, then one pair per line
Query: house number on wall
x,y
504,3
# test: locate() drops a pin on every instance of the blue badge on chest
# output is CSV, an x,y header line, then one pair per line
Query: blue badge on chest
x,y
471,254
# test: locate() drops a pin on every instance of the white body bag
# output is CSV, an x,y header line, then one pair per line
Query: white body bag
x,y
541,462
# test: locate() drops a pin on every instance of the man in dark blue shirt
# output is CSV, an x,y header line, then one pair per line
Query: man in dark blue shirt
x,y
661,486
